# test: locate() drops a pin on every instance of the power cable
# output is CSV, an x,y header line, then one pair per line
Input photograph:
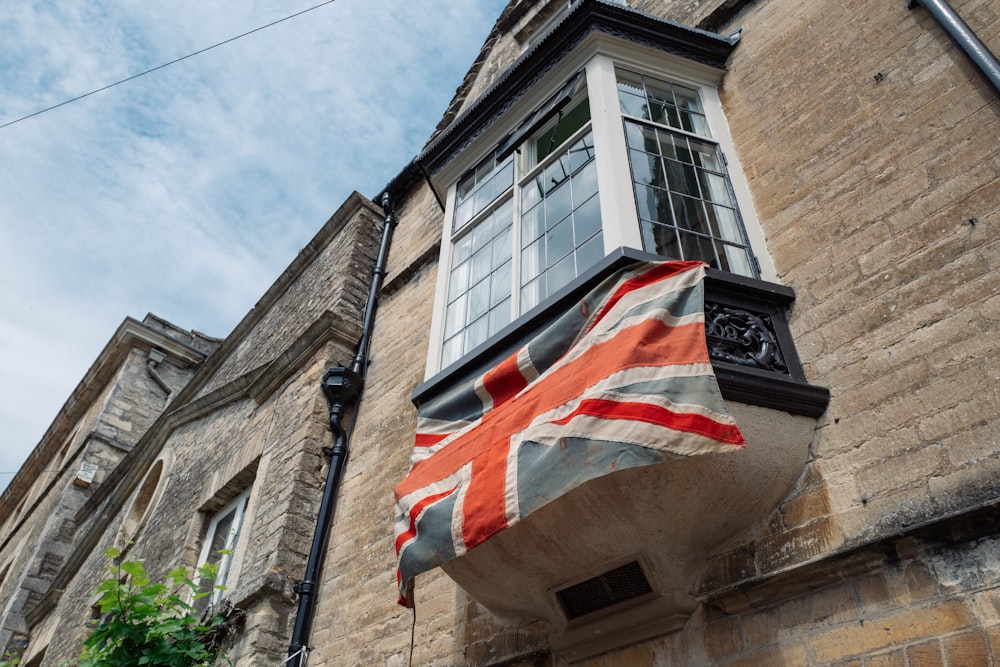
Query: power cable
x,y
172,62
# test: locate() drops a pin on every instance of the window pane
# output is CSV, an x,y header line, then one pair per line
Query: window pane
x,y
500,317
705,155
660,239
561,273
501,247
481,187
505,177
587,219
682,178
465,187
590,252
455,318
532,294
735,259
532,224
714,188
633,105
500,284
559,241
647,169
451,351
463,213
689,214
463,249
477,333
554,175
459,281
585,182
581,152
481,265
533,260
221,536
566,124
699,247
479,299
482,197
729,229
641,137
654,204
482,233
531,193
558,204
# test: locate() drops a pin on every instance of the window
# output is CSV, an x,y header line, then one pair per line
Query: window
x,y
549,186
683,195
220,546
631,150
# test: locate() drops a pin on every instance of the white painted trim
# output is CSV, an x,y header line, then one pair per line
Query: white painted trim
x,y
598,54
228,562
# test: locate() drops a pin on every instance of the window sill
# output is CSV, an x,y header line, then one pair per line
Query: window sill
x,y
748,338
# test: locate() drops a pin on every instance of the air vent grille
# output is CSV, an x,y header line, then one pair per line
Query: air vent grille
x,y
613,587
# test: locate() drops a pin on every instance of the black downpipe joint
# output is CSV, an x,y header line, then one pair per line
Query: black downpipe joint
x,y
964,37
342,388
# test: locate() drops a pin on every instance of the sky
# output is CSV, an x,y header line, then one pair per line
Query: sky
x,y
187,191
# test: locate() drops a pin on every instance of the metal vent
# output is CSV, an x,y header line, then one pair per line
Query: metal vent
x,y
613,587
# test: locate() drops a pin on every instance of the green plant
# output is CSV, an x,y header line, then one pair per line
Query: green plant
x,y
153,623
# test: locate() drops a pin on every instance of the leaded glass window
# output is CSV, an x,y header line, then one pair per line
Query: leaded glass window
x,y
684,199
560,222
479,287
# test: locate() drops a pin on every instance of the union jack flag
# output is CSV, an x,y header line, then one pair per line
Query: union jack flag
x,y
621,380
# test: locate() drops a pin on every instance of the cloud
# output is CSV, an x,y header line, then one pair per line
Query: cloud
x,y
186,192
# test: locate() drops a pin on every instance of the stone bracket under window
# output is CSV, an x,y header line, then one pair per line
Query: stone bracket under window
x,y
748,338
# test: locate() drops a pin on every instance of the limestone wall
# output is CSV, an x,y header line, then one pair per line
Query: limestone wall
x,y
869,144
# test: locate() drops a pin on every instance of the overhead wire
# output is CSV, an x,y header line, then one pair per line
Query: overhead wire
x,y
167,64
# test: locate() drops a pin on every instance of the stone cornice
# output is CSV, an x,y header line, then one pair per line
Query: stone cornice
x,y
130,335
188,405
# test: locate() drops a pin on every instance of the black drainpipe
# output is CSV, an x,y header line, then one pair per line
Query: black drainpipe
x,y
964,37
342,387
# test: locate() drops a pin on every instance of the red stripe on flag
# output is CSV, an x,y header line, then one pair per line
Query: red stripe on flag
x,y
654,275
415,511
658,415
504,380
484,511
429,439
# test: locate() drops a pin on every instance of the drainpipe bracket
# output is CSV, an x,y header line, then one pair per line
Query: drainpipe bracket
x,y
341,385
307,587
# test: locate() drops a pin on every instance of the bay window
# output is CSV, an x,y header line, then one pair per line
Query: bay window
x,y
627,149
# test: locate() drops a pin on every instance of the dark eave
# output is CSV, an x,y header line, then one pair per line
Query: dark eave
x,y
586,17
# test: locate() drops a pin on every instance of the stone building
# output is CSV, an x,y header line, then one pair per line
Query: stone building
x,y
132,382
835,165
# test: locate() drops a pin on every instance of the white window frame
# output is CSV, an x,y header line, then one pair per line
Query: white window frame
x,y
228,562
599,55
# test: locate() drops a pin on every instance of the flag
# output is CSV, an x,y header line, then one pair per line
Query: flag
x,y
622,379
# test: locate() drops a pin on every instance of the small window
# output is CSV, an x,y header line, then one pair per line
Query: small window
x,y
223,535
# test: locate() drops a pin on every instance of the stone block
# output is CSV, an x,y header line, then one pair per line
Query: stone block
x,y
927,654
800,616
968,649
906,625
